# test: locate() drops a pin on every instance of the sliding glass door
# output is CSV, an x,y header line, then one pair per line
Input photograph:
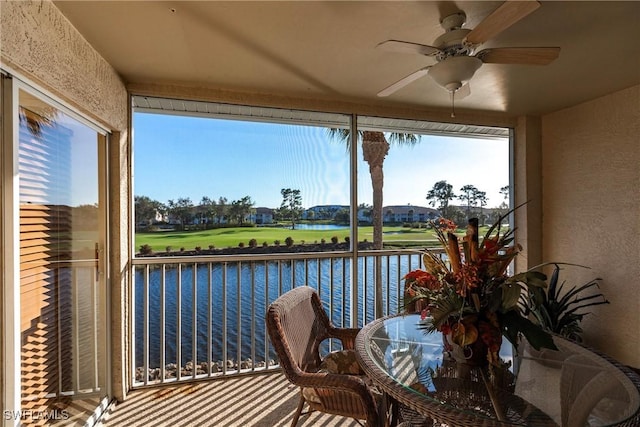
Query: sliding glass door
x,y
62,284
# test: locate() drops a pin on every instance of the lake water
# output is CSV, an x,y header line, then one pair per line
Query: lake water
x,y
249,292
321,227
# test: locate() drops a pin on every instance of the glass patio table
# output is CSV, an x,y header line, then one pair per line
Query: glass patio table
x,y
574,386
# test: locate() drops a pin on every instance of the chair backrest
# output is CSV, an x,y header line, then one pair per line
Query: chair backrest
x,y
583,384
297,325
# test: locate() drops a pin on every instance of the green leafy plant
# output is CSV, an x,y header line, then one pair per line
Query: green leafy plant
x,y
561,312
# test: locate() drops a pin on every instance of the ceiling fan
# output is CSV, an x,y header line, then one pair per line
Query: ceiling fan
x,y
455,54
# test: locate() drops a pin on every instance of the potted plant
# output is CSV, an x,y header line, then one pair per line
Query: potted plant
x,y
559,310
471,298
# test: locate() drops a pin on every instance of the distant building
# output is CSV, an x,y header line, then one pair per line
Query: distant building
x,y
390,214
262,216
401,214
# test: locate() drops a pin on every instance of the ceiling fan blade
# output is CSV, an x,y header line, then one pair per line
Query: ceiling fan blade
x,y
500,19
519,55
403,82
408,47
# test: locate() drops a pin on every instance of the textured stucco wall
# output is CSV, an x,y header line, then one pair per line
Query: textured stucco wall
x,y
37,43
591,211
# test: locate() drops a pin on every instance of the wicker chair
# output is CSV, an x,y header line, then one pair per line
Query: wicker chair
x,y
297,324
583,384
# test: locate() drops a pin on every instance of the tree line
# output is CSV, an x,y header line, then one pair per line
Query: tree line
x,y
214,212
474,199
149,211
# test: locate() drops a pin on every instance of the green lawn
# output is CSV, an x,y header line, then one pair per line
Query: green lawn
x,y
232,237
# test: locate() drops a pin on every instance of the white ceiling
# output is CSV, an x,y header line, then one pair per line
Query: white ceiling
x,y
326,49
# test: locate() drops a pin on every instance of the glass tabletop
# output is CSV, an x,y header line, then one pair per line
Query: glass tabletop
x,y
574,386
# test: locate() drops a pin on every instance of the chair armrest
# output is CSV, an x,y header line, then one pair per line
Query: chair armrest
x,y
332,381
346,335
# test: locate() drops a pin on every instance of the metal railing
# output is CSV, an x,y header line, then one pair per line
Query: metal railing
x,y
64,341
196,317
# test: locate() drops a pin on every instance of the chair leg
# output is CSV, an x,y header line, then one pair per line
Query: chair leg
x,y
296,416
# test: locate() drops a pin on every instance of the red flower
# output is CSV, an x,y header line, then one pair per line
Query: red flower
x,y
423,279
415,275
491,335
445,328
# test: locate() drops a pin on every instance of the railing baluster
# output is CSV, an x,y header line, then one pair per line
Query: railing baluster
x,y
253,315
131,323
279,277
332,281
194,319
388,293
274,285
400,287
293,273
95,298
330,284
365,293
163,307
145,326
224,318
179,324
239,315
344,288
209,357
58,328
266,304
305,265
75,337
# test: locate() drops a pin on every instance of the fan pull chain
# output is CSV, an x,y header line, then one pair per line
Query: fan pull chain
x,y
453,111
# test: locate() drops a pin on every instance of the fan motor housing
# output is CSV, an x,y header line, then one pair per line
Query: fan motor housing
x,y
450,43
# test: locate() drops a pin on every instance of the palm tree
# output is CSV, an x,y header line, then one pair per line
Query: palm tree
x,y
375,147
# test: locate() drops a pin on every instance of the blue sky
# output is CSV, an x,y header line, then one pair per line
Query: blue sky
x,y
177,156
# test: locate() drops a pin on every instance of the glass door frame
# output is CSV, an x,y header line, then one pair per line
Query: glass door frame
x,y
10,254
10,304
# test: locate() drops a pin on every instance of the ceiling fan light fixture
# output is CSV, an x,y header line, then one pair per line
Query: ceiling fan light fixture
x,y
453,86
453,72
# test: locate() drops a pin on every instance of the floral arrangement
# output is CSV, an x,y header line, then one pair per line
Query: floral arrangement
x,y
471,297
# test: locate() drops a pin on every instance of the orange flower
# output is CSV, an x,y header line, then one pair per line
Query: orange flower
x,y
447,225
467,279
